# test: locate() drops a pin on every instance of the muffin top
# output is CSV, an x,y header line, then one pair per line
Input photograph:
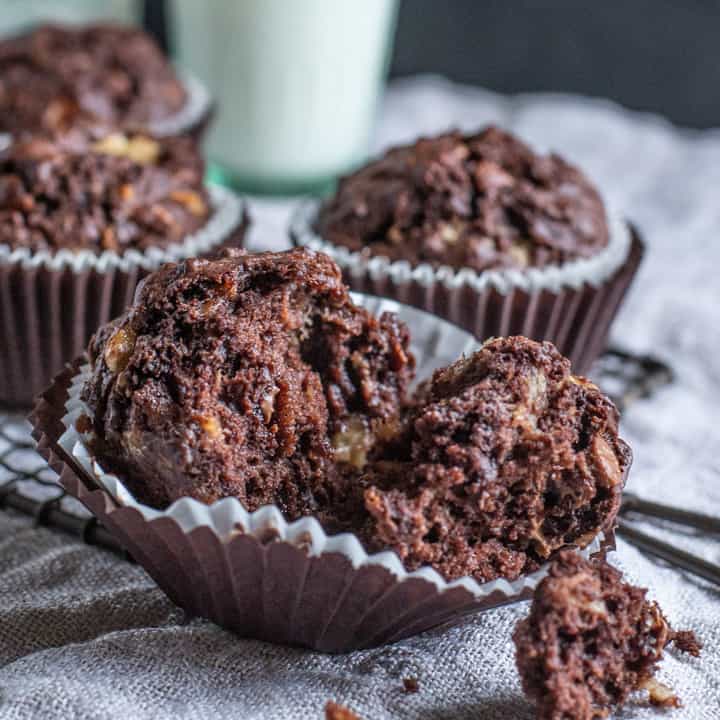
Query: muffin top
x,y
505,458
483,201
94,191
590,640
55,74
253,376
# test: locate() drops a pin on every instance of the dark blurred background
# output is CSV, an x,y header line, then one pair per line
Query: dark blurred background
x,y
657,55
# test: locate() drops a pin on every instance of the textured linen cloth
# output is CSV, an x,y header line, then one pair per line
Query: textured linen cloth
x,y
86,635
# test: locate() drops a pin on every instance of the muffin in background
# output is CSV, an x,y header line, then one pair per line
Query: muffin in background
x,y
55,76
484,202
83,217
113,192
484,232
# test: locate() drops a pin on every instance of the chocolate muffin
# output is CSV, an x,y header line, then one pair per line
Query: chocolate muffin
x,y
505,458
483,201
55,76
482,231
252,376
590,640
112,191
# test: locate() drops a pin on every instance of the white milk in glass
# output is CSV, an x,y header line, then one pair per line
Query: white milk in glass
x,y
297,82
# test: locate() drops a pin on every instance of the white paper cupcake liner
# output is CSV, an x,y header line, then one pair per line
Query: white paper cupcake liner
x,y
51,303
572,305
258,574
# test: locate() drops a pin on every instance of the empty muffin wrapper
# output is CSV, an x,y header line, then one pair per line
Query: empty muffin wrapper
x,y
255,573
51,303
571,305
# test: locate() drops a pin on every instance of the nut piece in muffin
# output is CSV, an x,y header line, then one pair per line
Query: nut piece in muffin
x,y
485,201
505,458
100,190
252,376
590,640
55,76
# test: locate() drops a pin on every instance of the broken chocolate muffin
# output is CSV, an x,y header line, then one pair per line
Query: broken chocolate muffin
x,y
590,640
253,376
55,76
505,458
106,191
484,201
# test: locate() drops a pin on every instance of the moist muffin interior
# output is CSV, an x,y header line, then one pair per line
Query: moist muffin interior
x,y
484,201
100,190
246,376
590,640
255,376
505,458
55,76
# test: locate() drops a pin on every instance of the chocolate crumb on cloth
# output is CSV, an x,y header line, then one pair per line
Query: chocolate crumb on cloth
x,y
335,711
506,457
246,376
55,75
411,685
483,201
590,640
100,190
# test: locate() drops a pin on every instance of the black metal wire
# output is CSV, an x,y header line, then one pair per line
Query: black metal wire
x,y
29,486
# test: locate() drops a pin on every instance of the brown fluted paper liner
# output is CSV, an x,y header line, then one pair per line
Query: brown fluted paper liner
x,y
265,578
49,310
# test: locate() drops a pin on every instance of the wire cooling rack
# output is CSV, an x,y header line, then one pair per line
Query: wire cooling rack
x,y
29,486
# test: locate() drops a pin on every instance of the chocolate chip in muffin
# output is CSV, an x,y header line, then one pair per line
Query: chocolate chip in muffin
x,y
253,376
56,76
505,458
590,640
99,190
484,201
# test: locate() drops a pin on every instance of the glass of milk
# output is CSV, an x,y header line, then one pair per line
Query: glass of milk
x,y
297,84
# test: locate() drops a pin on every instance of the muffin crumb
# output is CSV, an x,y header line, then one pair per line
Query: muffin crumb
x,y
411,685
590,640
335,711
